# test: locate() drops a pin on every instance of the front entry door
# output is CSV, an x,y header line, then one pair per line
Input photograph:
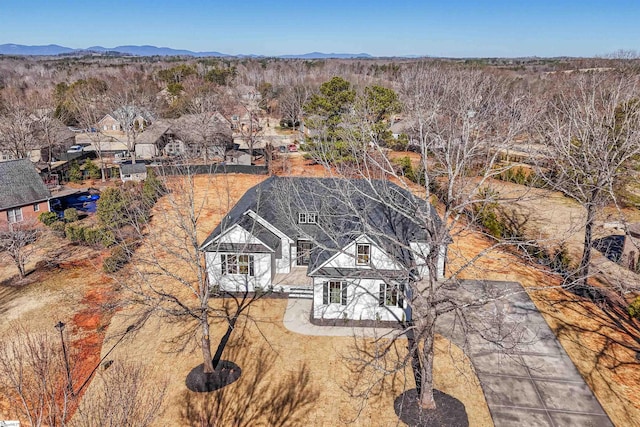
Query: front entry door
x,y
303,252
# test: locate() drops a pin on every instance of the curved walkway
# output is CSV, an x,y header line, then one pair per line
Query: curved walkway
x,y
297,315
535,383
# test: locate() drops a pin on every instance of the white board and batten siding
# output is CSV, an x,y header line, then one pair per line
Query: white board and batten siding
x,y
283,264
261,278
362,302
420,251
262,263
347,258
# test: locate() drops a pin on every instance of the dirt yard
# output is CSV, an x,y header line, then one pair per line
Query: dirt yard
x,y
67,285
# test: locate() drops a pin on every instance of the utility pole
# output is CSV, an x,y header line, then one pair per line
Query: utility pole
x,y
60,327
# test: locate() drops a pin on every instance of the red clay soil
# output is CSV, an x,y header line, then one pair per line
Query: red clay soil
x,y
88,328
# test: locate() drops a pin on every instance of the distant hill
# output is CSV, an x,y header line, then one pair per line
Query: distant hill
x,y
152,51
320,55
18,49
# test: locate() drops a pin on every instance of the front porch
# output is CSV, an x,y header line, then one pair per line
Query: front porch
x,y
296,279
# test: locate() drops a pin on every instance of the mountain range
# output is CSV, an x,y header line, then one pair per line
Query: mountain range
x,y
54,49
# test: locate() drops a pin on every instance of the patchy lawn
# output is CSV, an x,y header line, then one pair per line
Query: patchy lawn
x,y
273,358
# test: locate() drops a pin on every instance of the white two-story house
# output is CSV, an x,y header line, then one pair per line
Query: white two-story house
x,y
357,244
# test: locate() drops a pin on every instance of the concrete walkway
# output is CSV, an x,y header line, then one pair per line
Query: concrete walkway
x,y
528,380
297,315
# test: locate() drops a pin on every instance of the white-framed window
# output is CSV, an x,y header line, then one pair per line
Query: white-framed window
x,y
307,217
334,292
36,207
363,254
237,264
391,295
14,215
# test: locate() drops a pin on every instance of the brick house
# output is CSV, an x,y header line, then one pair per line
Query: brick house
x,y
23,195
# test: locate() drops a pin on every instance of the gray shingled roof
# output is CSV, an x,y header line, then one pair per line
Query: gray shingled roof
x,y
131,168
20,184
347,209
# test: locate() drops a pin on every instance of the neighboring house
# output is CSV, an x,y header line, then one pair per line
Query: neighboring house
x,y
154,139
23,195
248,93
107,144
235,157
129,115
109,124
6,155
203,135
133,172
356,258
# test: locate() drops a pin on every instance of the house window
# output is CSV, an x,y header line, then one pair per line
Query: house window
x,y
14,215
237,264
334,293
303,252
307,218
391,295
363,254
36,207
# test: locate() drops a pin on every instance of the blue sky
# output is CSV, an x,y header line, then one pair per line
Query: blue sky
x,y
455,28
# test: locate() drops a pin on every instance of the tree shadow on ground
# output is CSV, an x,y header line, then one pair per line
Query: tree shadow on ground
x,y
449,411
263,395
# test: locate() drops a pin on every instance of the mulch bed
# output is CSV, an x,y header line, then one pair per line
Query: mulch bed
x,y
225,373
449,412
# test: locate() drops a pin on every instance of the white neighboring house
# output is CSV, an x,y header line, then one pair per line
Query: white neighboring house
x,y
133,172
356,260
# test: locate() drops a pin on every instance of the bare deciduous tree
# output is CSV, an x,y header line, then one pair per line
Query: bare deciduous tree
x,y
592,135
18,124
168,276
86,101
33,378
204,129
131,98
259,399
121,395
460,120
16,239
291,104
36,371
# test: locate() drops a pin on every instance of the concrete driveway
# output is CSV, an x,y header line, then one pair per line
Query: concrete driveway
x,y
526,375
